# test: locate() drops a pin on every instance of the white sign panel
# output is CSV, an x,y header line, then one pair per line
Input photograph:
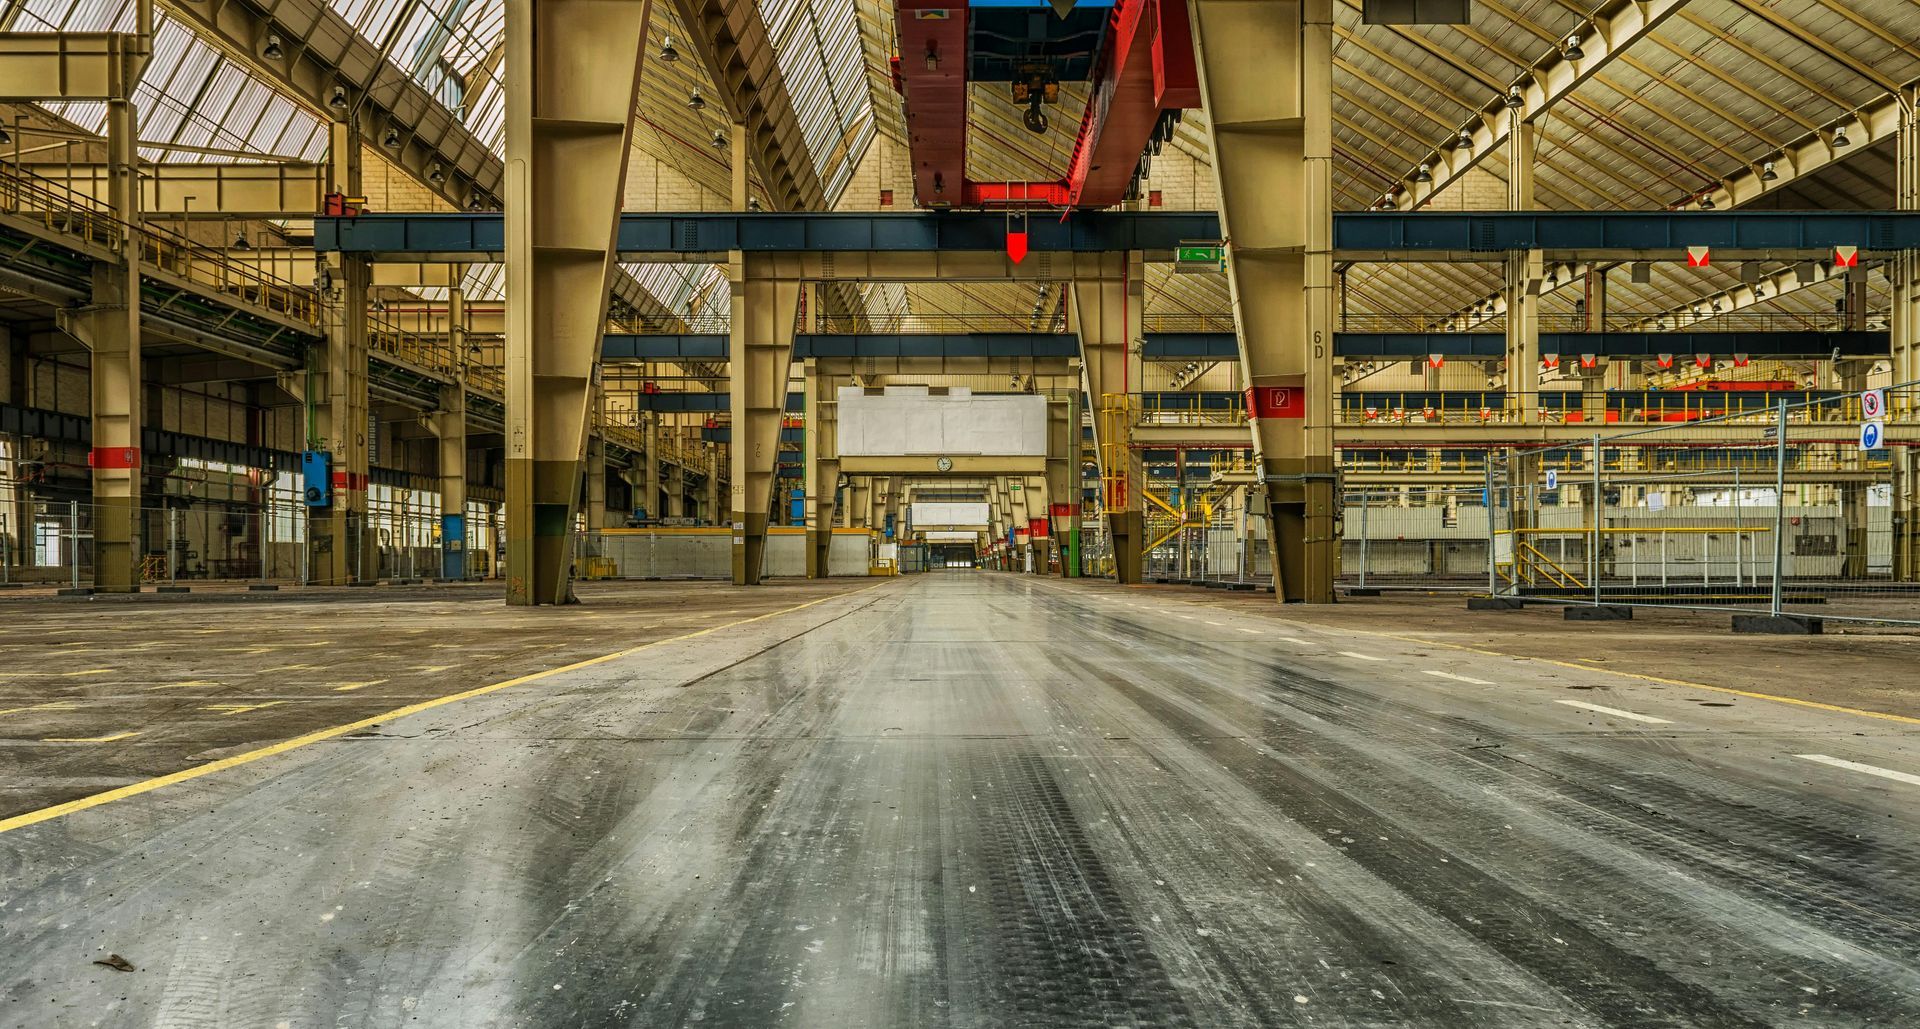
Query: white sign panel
x,y
913,423
927,515
1873,404
1873,435
1553,478
1656,501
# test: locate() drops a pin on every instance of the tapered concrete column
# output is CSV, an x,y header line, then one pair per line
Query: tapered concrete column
x,y
822,466
109,327
449,426
569,122
335,389
1106,305
1524,271
1266,80
766,302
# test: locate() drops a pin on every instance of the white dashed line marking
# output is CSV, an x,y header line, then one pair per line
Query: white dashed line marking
x,y
1616,712
1855,766
1456,678
1362,657
1243,628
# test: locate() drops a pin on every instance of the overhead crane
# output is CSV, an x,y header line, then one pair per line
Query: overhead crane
x,y
1135,58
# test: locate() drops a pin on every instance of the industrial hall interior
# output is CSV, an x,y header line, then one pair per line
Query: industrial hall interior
x,y
959,513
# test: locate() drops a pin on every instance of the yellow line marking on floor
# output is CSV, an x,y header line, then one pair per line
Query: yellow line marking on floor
x,y
90,739
286,668
57,705
433,668
235,709
177,685
349,687
46,814
85,671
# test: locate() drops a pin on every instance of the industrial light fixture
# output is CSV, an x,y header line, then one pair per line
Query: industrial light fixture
x,y
338,98
240,242
753,203
1552,279
1840,140
667,51
272,51
719,140
391,140
1424,173
1571,48
696,101
933,56
378,306
1464,142
1716,305
474,203
435,174
5,136
1514,100
1760,291
1706,201
1767,174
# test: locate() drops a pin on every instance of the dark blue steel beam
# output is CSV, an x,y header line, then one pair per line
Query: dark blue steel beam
x,y
1084,232
1416,345
1357,235
696,402
618,347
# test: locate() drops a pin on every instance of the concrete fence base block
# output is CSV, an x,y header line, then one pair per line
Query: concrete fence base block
x,y
173,589
1362,591
74,591
262,587
1599,613
1778,625
1494,604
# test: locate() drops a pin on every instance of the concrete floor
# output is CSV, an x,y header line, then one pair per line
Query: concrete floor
x,y
984,800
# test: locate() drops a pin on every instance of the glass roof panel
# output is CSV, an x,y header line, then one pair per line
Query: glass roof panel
x,y
190,95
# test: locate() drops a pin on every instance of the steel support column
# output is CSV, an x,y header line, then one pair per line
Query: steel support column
x,y
766,302
569,124
1904,273
822,466
654,502
449,427
1266,79
336,394
1106,295
109,327
1524,272
1063,472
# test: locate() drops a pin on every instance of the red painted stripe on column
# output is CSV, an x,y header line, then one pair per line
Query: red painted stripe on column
x,y
114,457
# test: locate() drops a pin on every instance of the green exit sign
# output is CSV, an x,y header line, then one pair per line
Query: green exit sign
x,y
1197,253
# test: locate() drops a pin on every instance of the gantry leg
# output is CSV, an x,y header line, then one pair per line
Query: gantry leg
x,y
569,121
1266,81
766,302
1106,304
596,471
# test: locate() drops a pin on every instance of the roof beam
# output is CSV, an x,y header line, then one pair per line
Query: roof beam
x,y
1614,27
208,190
322,52
732,40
